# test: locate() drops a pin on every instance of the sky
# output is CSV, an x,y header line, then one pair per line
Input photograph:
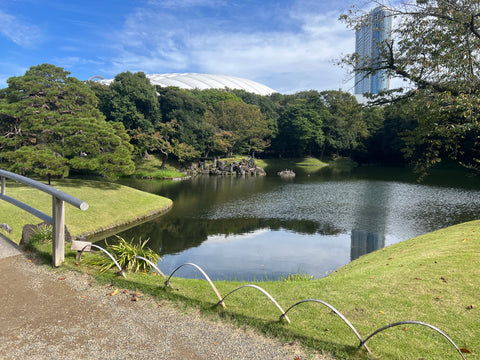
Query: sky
x,y
288,45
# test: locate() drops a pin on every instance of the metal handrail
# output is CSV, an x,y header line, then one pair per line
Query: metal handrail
x,y
57,220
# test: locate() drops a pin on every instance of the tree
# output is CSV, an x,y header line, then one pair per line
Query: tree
x,y
132,100
241,127
300,130
50,124
435,49
344,127
188,112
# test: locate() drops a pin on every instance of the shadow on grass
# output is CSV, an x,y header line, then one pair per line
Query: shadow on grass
x,y
70,183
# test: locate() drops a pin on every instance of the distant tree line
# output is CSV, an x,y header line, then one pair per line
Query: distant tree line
x,y
52,124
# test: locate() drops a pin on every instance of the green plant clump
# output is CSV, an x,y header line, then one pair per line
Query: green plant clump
x,y
127,253
304,276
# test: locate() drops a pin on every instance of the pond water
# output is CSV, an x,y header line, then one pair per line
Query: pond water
x,y
263,228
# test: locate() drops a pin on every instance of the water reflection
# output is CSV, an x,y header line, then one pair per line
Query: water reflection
x,y
248,228
364,242
371,215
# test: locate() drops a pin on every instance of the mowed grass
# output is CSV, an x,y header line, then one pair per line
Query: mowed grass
x,y
110,205
152,168
432,278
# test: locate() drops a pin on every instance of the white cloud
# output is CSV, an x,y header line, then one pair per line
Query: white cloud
x,y
286,60
22,34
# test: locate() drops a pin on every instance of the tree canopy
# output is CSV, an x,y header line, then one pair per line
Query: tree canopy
x,y
50,123
435,49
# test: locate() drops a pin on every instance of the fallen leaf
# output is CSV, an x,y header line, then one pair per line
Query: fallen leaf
x,y
114,292
381,312
443,279
470,307
62,278
134,299
465,351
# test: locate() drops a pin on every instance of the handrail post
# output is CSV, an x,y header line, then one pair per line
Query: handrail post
x,y
58,231
3,185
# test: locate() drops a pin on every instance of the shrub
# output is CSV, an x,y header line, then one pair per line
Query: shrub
x,y
125,253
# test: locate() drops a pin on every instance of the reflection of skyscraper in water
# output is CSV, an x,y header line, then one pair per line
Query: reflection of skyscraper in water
x,y
368,233
364,242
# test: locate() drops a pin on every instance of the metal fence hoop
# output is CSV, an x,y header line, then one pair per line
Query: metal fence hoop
x,y
152,265
167,282
120,270
416,323
345,320
264,292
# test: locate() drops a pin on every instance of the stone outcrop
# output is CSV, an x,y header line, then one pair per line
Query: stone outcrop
x,y
223,168
286,173
29,230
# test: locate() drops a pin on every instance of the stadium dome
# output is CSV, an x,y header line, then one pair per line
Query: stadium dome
x,y
192,81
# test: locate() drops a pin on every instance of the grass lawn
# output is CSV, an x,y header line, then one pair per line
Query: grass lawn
x,y
151,168
110,205
432,279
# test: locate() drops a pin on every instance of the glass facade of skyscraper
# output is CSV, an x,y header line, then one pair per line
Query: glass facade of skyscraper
x,y
376,30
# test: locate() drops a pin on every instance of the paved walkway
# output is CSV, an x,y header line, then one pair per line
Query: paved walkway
x,y
7,247
49,313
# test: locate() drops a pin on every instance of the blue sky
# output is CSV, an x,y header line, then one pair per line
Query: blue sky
x,y
289,45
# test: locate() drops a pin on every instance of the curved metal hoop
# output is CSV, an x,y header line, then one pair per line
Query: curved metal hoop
x,y
152,265
417,323
264,292
120,270
362,342
167,282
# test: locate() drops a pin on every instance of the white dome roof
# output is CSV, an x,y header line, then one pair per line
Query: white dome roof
x,y
192,81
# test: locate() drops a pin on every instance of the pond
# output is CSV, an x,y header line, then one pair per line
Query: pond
x,y
264,228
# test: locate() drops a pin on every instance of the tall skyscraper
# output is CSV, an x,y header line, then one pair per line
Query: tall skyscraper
x,y
376,29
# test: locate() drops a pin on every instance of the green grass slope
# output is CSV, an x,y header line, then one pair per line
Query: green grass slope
x,y
110,205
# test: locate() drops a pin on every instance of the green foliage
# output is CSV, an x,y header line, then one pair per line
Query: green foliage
x,y
303,276
241,127
187,112
124,253
300,130
132,101
50,124
43,235
434,49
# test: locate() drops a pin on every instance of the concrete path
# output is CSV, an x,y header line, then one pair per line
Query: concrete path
x,y
7,247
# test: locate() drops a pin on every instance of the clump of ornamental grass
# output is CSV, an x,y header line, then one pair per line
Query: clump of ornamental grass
x,y
298,276
127,254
